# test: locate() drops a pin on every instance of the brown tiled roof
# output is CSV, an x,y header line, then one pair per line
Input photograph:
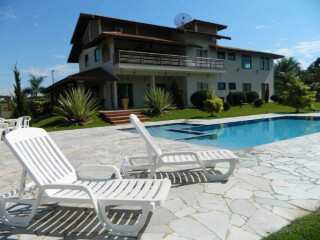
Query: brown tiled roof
x,y
120,35
275,56
95,74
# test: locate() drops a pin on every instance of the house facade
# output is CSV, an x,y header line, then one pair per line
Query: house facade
x,y
122,59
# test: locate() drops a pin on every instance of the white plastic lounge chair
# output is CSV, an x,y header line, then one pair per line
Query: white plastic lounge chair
x,y
156,158
26,121
57,181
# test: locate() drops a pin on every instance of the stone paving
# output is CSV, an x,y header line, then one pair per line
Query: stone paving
x,y
272,185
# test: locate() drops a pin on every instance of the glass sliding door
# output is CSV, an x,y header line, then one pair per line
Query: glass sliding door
x,y
125,91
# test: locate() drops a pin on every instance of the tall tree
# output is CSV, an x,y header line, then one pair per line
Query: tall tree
x,y
35,86
20,107
285,67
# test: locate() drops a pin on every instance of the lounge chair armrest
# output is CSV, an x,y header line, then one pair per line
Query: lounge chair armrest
x,y
112,168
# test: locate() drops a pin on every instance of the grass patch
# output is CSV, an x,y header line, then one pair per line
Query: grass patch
x,y
235,111
56,123
305,228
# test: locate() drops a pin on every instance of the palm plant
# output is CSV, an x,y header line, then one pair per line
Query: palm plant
x,y
76,105
157,101
35,86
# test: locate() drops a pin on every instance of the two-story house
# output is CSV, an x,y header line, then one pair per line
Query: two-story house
x,y
121,59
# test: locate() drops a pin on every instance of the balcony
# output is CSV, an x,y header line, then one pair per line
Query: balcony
x,y
166,60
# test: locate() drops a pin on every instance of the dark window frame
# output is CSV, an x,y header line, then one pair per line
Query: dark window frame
x,y
235,86
247,84
232,54
86,60
261,63
223,84
201,85
221,54
266,66
97,57
242,63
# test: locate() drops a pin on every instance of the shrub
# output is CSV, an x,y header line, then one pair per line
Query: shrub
x,y
226,106
213,105
298,95
280,100
157,100
177,96
274,98
229,98
47,107
76,105
198,98
35,107
258,102
251,96
239,98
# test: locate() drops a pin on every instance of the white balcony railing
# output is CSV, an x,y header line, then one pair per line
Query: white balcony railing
x,y
145,58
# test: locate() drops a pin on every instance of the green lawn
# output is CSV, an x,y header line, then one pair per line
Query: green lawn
x,y
305,228
57,124
235,111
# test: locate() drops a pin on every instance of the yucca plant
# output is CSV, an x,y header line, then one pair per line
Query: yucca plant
x,y
76,105
157,101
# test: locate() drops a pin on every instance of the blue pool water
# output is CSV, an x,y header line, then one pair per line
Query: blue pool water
x,y
238,135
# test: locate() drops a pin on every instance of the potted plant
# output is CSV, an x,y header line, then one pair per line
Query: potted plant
x,y
125,103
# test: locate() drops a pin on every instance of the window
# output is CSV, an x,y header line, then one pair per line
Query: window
x,y
221,86
261,63
97,55
232,86
246,61
247,87
118,29
232,56
221,55
201,85
266,63
201,53
105,53
86,60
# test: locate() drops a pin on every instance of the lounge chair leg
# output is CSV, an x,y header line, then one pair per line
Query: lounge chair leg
x,y
7,219
124,230
223,177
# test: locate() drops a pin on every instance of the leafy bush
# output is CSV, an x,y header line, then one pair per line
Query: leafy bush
x,y
251,96
47,107
274,98
238,98
229,98
198,98
213,105
258,102
76,105
157,100
226,106
298,95
280,100
177,96
35,107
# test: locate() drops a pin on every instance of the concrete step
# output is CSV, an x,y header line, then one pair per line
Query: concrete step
x,y
122,116
120,113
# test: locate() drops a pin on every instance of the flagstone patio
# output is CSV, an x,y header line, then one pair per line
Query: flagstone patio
x,y
272,185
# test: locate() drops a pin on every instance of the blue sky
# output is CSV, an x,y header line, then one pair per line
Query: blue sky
x,y
36,33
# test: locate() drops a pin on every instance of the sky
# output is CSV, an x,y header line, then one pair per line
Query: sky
x,y
36,34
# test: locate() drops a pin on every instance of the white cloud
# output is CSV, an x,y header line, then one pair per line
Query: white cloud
x,y
60,71
303,63
7,12
260,27
305,49
59,56
283,39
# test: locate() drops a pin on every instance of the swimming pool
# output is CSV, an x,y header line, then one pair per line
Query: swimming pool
x,y
238,135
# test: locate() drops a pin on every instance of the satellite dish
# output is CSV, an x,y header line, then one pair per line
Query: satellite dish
x,y
181,19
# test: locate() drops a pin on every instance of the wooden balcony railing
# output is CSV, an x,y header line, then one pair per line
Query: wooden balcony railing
x,y
146,58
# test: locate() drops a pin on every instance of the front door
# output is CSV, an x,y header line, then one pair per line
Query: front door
x,y
125,91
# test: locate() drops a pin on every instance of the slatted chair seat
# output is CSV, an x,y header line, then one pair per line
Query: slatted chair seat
x,y
57,181
156,158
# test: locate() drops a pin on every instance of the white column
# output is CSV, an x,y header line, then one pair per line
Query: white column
x,y
115,95
153,81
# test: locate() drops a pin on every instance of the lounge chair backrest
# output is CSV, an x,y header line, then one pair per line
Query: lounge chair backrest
x,y
146,135
26,121
40,156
